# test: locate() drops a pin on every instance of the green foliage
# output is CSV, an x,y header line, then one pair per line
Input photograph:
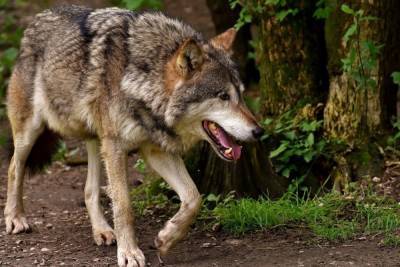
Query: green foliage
x,y
61,152
139,4
156,194
245,16
281,15
396,77
211,201
346,9
150,196
391,240
393,140
361,60
140,166
299,143
323,9
10,35
332,216
278,9
3,139
254,103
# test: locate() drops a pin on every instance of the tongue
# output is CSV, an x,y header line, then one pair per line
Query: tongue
x,y
227,142
236,151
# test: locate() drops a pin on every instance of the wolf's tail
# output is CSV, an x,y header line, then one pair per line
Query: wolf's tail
x,y
42,151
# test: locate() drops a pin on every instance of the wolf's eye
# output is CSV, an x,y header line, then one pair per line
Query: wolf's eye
x,y
224,96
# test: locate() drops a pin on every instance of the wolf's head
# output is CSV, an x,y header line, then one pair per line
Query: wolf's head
x,y
206,100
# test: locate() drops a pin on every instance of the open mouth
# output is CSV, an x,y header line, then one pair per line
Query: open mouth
x,y
225,144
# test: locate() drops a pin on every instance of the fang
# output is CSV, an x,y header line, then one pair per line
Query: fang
x,y
228,151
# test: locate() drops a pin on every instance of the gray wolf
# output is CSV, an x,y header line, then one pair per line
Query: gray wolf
x,y
124,81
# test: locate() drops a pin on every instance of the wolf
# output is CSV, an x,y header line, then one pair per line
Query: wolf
x,y
123,81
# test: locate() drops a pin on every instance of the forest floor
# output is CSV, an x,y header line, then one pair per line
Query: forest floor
x,y
62,235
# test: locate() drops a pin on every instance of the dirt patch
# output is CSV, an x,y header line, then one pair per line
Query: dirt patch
x,y
62,235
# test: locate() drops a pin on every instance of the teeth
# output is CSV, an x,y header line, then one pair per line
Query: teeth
x,y
212,126
228,151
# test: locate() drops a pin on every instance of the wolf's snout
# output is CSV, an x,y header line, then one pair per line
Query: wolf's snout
x,y
258,132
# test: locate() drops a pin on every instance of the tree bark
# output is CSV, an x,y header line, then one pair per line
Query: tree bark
x,y
252,175
350,113
292,59
358,116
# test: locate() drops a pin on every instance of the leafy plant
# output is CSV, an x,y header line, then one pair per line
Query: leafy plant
x,y
396,77
278,9
323,9
298,146
394,139
150,196
245,16
61,152
139,4
361,60
140,166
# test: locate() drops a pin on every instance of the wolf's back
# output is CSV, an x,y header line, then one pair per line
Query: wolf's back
x,y
79,44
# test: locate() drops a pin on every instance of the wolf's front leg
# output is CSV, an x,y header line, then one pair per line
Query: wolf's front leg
x,y
172,169
115,158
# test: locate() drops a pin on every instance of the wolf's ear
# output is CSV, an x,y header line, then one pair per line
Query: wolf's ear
x,y
225,40
189,59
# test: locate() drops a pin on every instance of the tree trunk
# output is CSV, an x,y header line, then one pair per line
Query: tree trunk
x,y
292,59
359,115
224,17
252,175
288,72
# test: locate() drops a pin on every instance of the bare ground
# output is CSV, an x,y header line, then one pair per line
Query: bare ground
x,y
62,235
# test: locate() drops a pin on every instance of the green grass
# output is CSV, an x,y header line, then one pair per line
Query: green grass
x,y
152,195
331,216
391,240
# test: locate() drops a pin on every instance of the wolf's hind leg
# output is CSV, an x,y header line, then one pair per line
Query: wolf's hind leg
x,y
103,234
172,169
23,142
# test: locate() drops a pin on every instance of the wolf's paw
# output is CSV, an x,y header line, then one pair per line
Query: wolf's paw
x,y
16,224
131,257
104,236
168,236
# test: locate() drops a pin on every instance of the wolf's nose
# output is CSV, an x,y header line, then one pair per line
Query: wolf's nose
x,y
258,132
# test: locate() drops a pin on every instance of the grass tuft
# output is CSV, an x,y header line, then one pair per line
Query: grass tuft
x,y
391,240
331,216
